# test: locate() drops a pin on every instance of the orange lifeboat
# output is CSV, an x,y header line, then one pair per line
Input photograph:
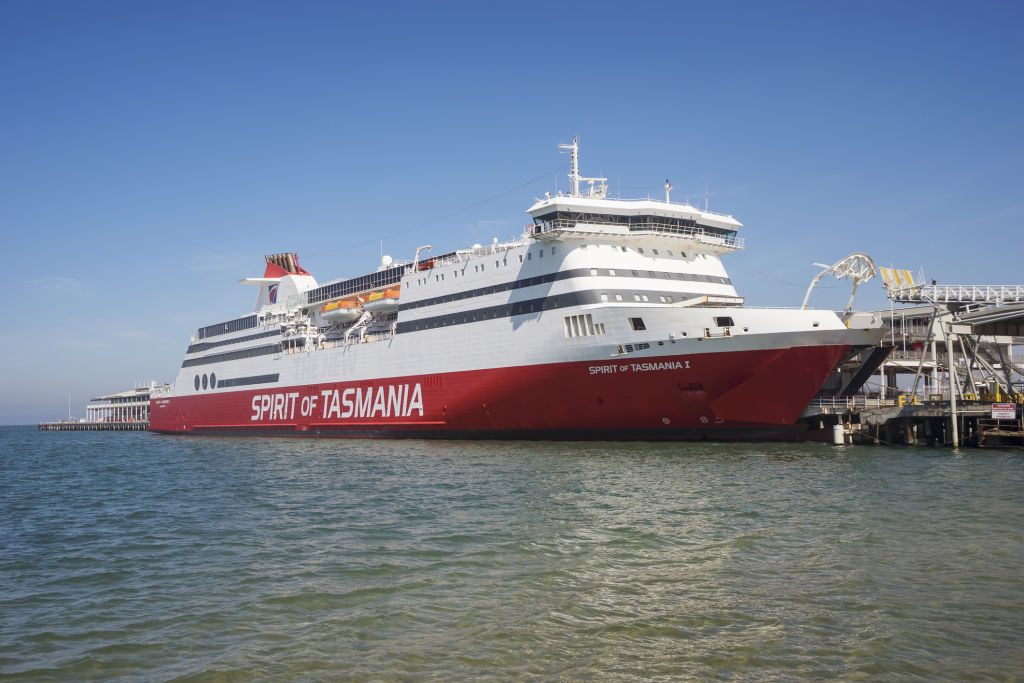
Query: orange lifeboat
x,y
385,301
342,310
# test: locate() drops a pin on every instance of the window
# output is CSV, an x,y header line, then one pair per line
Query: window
x,y
541,253
611,271
593,271
552,251
618,297
604,296
655,251
637,324
640,250
196,383
520,258
724,321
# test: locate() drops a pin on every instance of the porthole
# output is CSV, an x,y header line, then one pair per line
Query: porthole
x,y
206,381
197,383
213,381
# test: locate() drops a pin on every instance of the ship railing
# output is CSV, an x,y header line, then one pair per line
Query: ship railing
x,y
681,205
377,336
462,255
699,234
160,391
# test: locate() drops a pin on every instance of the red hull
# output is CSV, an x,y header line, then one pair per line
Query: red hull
x,y
740,395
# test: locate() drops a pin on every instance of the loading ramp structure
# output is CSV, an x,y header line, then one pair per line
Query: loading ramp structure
x,y
957,342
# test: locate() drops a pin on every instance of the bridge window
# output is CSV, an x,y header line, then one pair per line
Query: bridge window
x,y
637,324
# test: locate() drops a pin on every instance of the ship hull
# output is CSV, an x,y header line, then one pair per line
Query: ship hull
x,y
749,395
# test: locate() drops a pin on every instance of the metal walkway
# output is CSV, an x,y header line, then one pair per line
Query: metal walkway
x,y
968,294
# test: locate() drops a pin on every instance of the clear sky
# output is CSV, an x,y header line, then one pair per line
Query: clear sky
x,y
152,152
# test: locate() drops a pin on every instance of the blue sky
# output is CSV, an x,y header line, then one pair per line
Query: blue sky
x,y
151,153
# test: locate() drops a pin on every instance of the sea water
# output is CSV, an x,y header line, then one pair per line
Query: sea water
x,y
140,557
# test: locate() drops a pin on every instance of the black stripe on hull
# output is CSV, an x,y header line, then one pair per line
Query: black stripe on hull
x,y
245,381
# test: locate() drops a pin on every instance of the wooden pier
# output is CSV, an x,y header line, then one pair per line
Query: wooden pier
x,y
94,426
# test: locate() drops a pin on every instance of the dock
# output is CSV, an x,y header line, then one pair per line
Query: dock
x,y
124,411
93,426
946,372
893,422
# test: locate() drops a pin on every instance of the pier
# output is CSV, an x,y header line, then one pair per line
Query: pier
x,y
93,426
125,411
892,422
953,349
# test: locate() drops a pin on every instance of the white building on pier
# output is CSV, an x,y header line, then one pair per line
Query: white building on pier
x,y
124,406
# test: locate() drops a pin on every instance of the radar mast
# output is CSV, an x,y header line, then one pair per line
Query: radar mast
x,y
598,192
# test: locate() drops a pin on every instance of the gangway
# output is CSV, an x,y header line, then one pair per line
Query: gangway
x,y
904,288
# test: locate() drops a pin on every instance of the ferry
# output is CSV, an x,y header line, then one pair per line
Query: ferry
x,y
607,319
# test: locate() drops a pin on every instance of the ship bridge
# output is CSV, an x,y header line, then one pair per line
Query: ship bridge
x,y
594,213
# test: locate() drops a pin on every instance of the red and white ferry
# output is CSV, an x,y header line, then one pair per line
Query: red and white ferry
x,y
608,319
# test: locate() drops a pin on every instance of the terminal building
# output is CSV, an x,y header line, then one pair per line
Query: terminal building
x,y
124,411
124,406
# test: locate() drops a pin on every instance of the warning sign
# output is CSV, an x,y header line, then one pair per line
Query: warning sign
x,y
1004,411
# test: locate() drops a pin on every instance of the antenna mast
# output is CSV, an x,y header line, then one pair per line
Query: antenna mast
x,y
574,168
574,173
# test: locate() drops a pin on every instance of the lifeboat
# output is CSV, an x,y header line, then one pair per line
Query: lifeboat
x,y
382,302
341,311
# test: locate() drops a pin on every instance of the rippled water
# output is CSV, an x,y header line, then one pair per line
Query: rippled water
x,y
141,557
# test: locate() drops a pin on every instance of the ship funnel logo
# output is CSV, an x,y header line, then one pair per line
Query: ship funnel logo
x,y
273,294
